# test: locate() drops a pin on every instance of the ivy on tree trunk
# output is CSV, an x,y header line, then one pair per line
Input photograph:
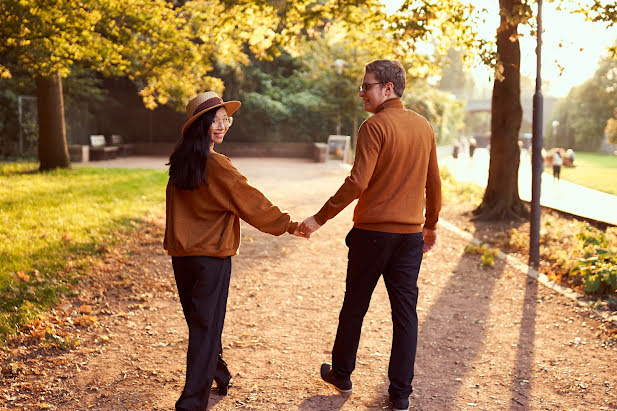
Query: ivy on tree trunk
x,y
52,147
501,199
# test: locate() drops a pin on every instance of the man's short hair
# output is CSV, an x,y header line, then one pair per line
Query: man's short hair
x,y
388,71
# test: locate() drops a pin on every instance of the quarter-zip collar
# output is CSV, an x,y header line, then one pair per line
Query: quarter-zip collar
x,y
395,102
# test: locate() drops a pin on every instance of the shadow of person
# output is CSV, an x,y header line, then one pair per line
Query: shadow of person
x,y
521,377
324,402
462,332
215,398
453,333
520,385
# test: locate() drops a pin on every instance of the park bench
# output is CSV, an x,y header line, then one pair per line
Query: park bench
x,y
124,149
320,152
99,150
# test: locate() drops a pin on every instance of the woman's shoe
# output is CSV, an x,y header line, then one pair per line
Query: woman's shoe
x,y
222,377
222,387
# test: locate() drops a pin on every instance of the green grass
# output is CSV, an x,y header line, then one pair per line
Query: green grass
x,y
454,190
53,224
593,170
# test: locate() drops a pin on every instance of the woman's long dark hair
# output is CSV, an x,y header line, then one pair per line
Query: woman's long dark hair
x,y
187,163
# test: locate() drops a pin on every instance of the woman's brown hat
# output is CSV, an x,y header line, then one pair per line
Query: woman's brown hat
x,y
204,102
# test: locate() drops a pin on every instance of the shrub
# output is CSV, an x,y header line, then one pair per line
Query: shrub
x,y
487,255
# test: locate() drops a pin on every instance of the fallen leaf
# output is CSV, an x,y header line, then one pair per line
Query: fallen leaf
x,y
85,309
23,276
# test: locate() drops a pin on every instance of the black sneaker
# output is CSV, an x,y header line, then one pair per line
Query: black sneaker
x,y
399,404
343,384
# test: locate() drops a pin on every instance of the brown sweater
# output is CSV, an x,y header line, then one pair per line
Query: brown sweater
x,y
396,163
206,221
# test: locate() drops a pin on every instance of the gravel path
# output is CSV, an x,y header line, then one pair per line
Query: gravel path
x,y
489,338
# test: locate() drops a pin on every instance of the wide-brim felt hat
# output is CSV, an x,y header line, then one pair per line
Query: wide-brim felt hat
x,y
204,102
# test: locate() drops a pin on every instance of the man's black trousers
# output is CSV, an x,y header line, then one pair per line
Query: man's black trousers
x,y
398,258
203,285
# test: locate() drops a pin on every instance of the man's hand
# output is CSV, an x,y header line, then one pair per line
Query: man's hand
x,y
308,227
430,238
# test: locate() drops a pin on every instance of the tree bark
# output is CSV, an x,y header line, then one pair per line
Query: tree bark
x,y
52,148
501,199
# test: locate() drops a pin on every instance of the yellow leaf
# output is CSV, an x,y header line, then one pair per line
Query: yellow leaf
x,y
23,276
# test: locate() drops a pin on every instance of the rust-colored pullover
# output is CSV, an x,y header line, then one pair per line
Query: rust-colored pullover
x,y
206,221
395,165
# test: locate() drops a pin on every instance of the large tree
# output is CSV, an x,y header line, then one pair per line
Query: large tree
x,y
168,48
501,199
168,51
456,22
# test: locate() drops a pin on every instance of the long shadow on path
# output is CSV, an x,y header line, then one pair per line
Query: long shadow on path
x,y
521,386
324,402
472,326
454,329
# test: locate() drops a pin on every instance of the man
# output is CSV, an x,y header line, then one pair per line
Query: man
x,y
395,165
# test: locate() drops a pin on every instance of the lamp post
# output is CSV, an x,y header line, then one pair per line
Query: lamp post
x,y
537,162
555,125
338,64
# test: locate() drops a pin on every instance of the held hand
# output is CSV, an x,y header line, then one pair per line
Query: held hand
x,y
308,227
430,238
297,233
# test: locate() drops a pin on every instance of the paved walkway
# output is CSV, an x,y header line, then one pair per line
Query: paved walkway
x,y
559,195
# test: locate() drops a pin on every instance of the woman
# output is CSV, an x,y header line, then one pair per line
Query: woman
x,y
206,197
557,162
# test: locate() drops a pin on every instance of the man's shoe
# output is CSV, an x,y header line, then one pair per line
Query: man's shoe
x,y
399,404
343,384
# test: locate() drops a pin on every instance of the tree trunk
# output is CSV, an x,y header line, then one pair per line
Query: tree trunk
x,y
52,149
501,199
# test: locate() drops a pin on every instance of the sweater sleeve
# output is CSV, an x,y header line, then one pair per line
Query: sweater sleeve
x,y
252,206
433,190
367,153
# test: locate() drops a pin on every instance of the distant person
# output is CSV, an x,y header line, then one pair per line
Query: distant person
x,y
206,198
557,162
473,144
545,159
455,149
395,169
464,145
571,156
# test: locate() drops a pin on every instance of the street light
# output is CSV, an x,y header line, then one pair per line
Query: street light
x,y
555,125
537,162
338,65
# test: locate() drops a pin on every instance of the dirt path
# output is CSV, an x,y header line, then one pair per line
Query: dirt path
x,y
489,338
